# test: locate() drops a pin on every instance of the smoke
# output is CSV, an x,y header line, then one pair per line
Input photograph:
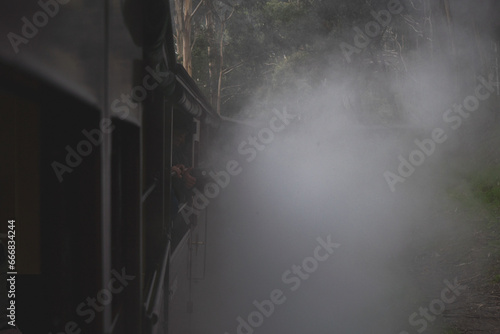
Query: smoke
x,y
325,175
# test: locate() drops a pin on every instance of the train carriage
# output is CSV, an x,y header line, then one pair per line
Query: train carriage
x,y
89,92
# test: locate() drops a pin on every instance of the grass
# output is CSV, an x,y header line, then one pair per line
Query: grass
x,y
479,193
452,331
485,187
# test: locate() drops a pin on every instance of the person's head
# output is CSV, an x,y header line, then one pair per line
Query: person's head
x,y
182,127
179,137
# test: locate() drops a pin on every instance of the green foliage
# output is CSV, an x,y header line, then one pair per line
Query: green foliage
x,y
283,12
275,48
290,69
452,331
486,187
200,62
479,194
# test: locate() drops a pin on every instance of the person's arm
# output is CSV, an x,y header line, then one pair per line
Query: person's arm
x,y
189,180
180,171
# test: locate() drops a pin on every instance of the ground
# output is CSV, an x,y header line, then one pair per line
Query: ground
x,y
469,250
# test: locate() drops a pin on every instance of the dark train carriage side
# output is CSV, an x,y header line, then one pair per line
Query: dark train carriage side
x,y
88,108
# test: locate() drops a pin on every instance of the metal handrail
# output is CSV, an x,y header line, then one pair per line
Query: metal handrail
x,y
148,192
152,303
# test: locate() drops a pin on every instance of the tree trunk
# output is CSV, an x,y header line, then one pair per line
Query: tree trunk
x,y
183,16
428,33
179,26
449,23
216,61
186,50
496,62
452,50
212,79
221,64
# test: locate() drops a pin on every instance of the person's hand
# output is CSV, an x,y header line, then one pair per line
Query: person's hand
x,y
189,180
177,169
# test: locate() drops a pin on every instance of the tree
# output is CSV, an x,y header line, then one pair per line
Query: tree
x,y
256,52
223,11
184,14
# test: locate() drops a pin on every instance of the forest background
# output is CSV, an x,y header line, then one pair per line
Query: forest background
x,y
248,55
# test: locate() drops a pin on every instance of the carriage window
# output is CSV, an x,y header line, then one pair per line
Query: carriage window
x,y
20,178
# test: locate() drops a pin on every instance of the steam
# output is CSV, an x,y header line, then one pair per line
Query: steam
x,y
323,176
